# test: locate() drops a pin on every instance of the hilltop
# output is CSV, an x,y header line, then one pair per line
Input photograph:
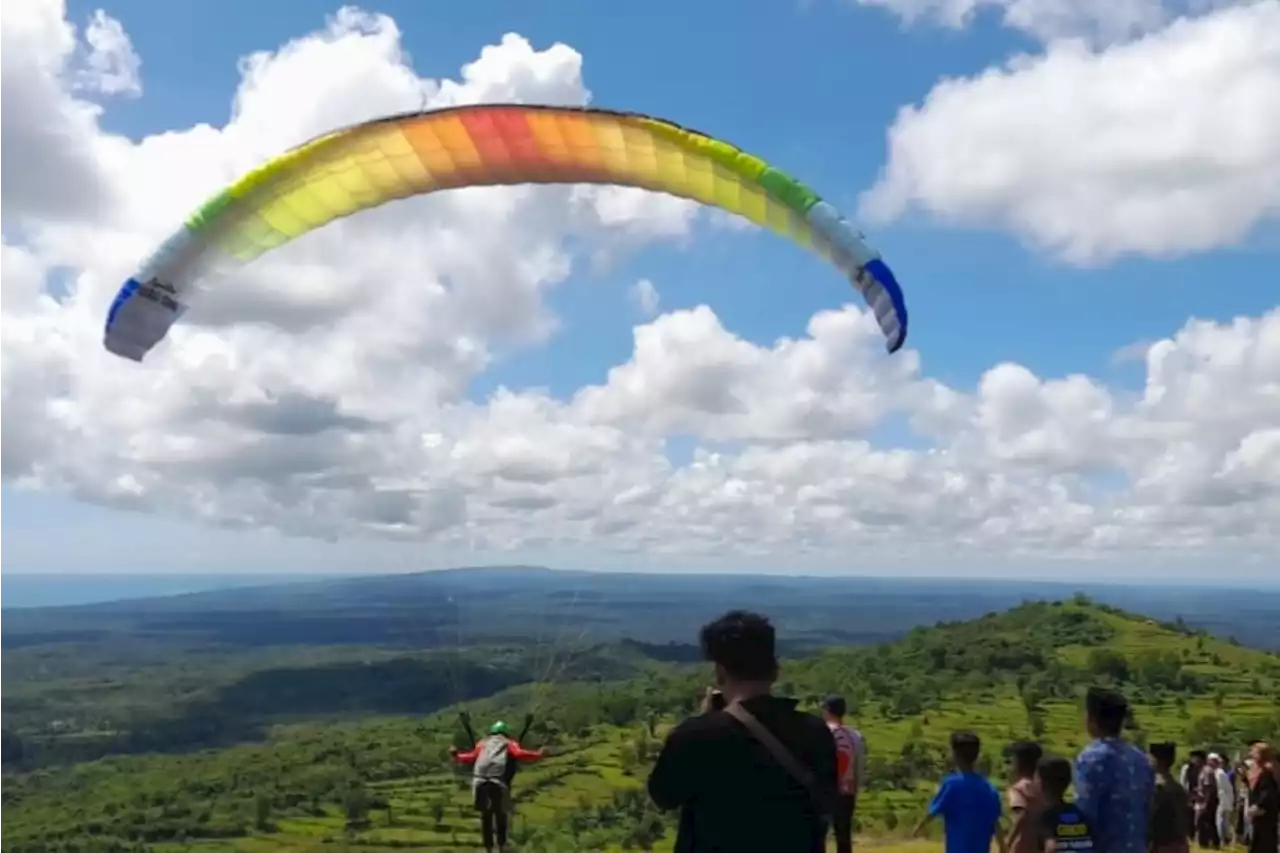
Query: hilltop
x,y
382,780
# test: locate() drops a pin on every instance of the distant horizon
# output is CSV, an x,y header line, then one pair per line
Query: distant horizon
x,y
161,585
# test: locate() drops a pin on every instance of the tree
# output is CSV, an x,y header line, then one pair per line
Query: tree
x,y
627,760
13,749
1036,723
1109,663
641,746
262,813
1204,730
908,702
356,806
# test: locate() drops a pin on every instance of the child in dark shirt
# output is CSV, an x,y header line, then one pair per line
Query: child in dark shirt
x,y
1062,827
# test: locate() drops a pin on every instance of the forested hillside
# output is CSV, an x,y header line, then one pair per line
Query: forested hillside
x,y
345,754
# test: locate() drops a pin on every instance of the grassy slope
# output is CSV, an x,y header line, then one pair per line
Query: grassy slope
x,y
402,760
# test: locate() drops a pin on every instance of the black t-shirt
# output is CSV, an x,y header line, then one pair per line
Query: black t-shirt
x,y
732,794
1065,825
1170,810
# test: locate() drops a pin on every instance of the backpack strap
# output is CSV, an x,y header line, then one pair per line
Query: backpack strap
x,y
780,754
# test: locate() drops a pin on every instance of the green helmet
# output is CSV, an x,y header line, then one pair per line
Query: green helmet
x,y
498,728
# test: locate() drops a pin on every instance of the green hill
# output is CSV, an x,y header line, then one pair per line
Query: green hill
x,y
382,783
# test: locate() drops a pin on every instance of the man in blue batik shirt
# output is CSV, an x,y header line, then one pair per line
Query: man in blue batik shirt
x,y
1114,780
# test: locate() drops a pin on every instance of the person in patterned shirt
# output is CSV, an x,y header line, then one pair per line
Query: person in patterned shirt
x,y
1114,780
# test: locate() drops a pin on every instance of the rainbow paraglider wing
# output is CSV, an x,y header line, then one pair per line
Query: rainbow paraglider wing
x,y
369,164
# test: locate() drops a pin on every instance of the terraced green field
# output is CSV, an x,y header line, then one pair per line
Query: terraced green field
x,y
380,784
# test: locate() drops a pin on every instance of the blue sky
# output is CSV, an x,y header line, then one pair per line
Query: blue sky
x,y
810,86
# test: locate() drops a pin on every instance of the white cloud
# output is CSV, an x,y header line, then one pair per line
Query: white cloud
x,y
322,393
46,152
1101,21
645,296
688,374
111,66
1161,147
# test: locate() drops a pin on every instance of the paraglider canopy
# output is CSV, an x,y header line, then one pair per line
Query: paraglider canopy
x,y
372,163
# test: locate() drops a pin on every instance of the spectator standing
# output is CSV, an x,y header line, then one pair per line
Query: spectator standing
x,y
1207,835
1226,795
1190,779
967,802
1264,799
1170,804
1024,798
1114,780
1061,826
757,775
851,767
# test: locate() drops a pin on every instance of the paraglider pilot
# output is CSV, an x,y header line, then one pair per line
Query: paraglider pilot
x,y
494,760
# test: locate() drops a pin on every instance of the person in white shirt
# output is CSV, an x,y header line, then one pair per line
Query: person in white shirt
x,y
1226,797
851,763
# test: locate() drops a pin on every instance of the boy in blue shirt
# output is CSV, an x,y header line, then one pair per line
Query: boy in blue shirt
x,y
968,804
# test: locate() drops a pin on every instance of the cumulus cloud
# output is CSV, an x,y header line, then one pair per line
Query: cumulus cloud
x,y
46,150
690,375
1100,21
645,296
323,393
110,65
1160,147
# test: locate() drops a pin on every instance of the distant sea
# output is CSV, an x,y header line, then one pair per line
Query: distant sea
x,y
58,590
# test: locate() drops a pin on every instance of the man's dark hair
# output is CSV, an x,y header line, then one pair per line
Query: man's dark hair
x,y
742,643
1107,708
965,747
1164,752
1055,776
835,706
1198,755
1026,757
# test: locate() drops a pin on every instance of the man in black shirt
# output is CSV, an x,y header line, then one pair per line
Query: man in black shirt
x,y
733,794
1167,828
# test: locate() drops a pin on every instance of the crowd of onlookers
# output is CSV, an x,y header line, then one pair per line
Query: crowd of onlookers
x,y
1124,801
1221,794
752,772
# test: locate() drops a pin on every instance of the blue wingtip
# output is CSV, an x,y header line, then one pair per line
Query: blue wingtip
x,y
880,271
126,291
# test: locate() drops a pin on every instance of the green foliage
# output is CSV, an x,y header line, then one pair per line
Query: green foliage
x,y
383,781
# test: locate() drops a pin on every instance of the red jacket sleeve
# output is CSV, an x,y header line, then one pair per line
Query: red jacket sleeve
x,y
468,757
843,760
519,753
